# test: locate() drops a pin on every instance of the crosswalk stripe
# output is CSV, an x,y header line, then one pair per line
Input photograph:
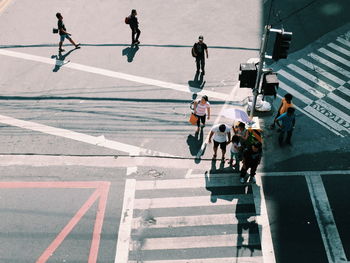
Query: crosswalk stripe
x,y
339,100
187,221
191,201
334,56
324,118
311,77
340,49
207,260
335,110
295,93
344,90
301,84
330,65
186,183
321,71
228,240
343,41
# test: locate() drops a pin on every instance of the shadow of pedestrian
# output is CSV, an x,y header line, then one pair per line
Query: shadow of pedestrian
x,y
130,52
195,142
197,82
60,59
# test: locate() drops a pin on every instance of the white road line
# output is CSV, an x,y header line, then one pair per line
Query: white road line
x,y
190,221
124,232
343,41
185,183
340,49
228,240
207,260
98,141
301,84
325,119
321,71
191,201
189,172
263,222
339,100
335,57
344,90
330,65
295,93
304,173
311,77
334,110
117,75
326,223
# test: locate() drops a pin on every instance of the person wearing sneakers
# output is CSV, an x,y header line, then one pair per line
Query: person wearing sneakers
x,y
222,136
134,26
198,52
200,109
63,33
251,159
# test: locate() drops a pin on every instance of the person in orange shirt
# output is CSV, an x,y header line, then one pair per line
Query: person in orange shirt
x,y
286,103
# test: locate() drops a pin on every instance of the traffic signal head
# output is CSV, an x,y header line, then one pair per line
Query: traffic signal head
x,y
247,76
281,47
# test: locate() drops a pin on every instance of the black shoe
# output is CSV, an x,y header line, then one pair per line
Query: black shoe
x,y
77,45
61,50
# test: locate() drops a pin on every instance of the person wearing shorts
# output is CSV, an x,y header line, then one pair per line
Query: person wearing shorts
x,y
63,33
221,134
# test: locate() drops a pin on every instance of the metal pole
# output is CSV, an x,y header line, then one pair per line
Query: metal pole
x,y
260,67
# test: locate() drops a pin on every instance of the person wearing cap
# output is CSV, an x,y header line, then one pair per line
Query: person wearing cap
x,y
198,51
222,136
63,33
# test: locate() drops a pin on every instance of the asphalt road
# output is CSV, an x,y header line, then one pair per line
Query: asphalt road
x,y
73,122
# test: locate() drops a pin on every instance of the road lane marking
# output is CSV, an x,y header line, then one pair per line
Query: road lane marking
x,y
117,75
190,201
343,41
340,49
339,100
321,71
207,260
114,145
295,93
124,233
210,241
330,65
323,212
344,90
130,170
334,56
190,221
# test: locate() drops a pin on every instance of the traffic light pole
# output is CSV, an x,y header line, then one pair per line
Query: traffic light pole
x,y
260,68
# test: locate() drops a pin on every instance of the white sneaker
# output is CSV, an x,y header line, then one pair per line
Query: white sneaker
x,y
242,180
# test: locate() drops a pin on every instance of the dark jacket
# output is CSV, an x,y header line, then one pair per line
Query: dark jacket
x,y
133,22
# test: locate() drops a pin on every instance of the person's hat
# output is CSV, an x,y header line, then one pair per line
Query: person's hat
x,y
200,37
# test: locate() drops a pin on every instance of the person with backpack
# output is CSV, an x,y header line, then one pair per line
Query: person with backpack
x,y
63,33
198,50
134,26
200,108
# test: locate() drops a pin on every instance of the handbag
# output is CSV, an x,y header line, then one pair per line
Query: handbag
x,y
55,30
193,119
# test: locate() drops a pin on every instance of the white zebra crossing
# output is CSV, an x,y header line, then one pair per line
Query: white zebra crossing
x,y
194,192
319,80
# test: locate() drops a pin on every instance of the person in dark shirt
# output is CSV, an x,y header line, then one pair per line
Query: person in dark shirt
x,y
63,33
198,51
134,25
251,159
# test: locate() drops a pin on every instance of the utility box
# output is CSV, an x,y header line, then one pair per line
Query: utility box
x,y
270,84
247,76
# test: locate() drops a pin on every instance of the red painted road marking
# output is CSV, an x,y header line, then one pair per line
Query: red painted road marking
x,y
101,193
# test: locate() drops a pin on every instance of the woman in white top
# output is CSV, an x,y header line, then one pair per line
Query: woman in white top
x,y
200,109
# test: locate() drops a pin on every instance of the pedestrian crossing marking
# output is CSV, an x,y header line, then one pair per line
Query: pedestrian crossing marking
x,y
324,74
225,240
206,260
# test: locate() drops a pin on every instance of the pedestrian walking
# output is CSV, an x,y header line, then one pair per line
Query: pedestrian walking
x,y
235,151
134,25
287,126
200,108
63,33
242,134
286,103
251,159
221,134
198,52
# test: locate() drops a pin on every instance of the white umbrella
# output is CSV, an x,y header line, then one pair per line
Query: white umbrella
x,y
237,115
